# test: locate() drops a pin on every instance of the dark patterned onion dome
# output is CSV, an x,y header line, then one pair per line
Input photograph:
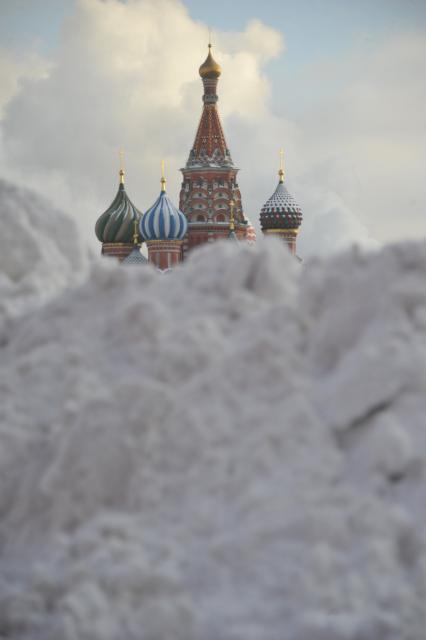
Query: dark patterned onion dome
x,y
117,223
135,257
163,221
281,211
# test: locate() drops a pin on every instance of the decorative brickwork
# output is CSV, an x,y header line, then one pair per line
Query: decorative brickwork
x,y
164,254
119,250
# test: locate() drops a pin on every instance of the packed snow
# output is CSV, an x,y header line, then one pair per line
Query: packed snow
x,y
41,252
233,451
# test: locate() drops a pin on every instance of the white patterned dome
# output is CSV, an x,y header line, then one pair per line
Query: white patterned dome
x,y
281,211
135,257
163,221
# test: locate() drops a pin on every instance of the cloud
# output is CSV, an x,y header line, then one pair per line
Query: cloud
x,y
126,76
15,70
366,140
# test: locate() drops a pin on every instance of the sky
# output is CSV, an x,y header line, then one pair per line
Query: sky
x,y
339,85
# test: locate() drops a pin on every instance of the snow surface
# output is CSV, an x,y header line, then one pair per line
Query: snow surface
x,y
235,451
40,251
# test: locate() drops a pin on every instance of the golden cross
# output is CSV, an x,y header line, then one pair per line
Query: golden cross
x,y
121,172
231,217
135,231
281,171
210,37
163,178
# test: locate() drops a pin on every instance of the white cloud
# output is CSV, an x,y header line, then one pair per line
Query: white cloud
x,y
15,70
126,75
366,141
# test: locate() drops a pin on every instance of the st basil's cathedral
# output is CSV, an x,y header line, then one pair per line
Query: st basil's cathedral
x,y
210,204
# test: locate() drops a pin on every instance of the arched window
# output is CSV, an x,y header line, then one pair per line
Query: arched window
x,y
200,218
220,217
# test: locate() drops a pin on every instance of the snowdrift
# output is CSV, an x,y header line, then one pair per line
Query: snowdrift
x,y
40,251
234,451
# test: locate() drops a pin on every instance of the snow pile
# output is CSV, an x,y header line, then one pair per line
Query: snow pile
x,y
235,451
40,251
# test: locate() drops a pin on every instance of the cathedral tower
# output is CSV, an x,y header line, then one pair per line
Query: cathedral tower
x,y
210,176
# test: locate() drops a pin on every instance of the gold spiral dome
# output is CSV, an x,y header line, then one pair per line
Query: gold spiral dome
x,y
210,68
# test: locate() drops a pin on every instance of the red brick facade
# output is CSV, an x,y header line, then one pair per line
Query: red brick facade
x,y
119,250
164,254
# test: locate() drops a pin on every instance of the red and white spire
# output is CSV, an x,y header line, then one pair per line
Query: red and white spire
x,y
209,176
210,145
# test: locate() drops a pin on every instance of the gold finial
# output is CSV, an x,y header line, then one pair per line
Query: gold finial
x,y
136,232
281,171
163,179
121,172
210,68
231,215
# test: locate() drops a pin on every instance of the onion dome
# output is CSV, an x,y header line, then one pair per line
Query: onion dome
x,y
250,233
163,221
210,68
116,224
281,211
135,257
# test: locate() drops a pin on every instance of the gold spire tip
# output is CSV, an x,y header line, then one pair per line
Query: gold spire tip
x,y
281,171
121,172
136,232
163,178
210,68
231,215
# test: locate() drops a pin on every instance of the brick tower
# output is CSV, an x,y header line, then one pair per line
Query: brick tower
x,y
210,176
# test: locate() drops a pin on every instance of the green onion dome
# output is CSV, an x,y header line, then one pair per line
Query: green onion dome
x,y
116,225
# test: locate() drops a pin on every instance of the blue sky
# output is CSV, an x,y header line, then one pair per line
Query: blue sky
x,y
346,100
311,27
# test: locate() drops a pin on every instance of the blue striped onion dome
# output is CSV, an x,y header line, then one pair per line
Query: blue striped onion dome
x,y
163,221
117,223
135,257
281,211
